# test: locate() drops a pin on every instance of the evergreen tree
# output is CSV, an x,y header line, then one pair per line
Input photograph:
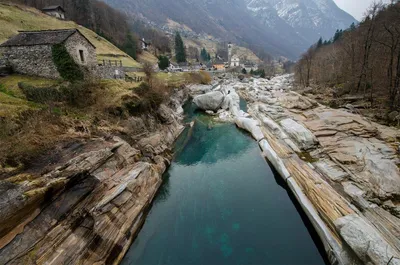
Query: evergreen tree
x,y
130,45
180,53
338,35
244,71
262,73
352,26
205,56
163,62
320,43
252,72
327,42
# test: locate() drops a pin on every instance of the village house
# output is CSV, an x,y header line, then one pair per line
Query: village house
x,y
219,65
54,11
174,67
31,53
145,44
249,66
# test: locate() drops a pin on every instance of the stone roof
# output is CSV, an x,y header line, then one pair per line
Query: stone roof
x,y
50,8
42,37
219,61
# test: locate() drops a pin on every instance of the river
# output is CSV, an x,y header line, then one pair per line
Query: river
x,y
221,203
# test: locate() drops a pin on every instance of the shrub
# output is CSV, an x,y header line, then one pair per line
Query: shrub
x,y
66,66
201,77
149,98
6,91
81,94
22,139
40,94
163,62
148,71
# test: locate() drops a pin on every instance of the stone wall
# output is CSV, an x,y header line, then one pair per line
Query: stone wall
x,y
77,43
37,60
110,72
31,60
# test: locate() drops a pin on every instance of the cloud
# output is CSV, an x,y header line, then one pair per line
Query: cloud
x,y
357,8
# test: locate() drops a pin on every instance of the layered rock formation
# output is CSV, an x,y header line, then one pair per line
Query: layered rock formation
x,y
342,168
90,202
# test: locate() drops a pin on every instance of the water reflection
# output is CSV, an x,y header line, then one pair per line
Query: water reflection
x,y
208,144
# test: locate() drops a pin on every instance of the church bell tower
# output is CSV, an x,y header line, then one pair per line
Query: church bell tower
x,y
230,48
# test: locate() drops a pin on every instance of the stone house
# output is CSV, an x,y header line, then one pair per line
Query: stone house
x,y
249,66
54,11
219,65
30,52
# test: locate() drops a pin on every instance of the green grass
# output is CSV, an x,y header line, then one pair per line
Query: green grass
x,y
147,57
9,84
126,60
11,106
14,18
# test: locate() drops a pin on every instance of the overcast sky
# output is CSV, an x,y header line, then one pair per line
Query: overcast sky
x,y
356,8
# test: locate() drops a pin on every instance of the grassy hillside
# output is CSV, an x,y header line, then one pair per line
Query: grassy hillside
x,y
14,18
147,57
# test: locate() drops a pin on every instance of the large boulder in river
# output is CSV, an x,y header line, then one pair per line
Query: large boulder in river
x,y
232,103
210,101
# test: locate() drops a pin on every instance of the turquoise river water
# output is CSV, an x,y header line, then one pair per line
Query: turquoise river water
x,y
220,203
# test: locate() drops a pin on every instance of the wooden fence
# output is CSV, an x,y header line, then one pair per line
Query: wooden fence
x,y
110,63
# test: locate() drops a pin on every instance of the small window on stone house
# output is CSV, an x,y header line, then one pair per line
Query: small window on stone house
x,y
82,56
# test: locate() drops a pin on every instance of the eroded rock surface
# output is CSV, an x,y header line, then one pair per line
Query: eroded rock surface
x,y
346,167
90,205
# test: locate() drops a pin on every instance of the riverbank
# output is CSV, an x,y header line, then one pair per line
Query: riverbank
x,y
84,201
341,167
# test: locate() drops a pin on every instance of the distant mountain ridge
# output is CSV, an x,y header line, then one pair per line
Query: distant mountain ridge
x,y
310,19
280,27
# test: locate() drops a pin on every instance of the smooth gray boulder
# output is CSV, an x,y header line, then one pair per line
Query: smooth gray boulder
x,y
210,101
251,126
366,241
232,103
300,134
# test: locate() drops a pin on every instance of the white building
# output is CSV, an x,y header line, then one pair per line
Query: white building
x,y
54,11
145,44
174,68
235,61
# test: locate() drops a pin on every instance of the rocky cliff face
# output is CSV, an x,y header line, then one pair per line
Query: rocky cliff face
x,y
86,206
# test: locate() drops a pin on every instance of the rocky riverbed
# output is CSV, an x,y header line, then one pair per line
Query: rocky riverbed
x,y
342,168
87,202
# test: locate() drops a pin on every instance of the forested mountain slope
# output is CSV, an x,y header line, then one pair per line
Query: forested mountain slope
x,y
280,27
